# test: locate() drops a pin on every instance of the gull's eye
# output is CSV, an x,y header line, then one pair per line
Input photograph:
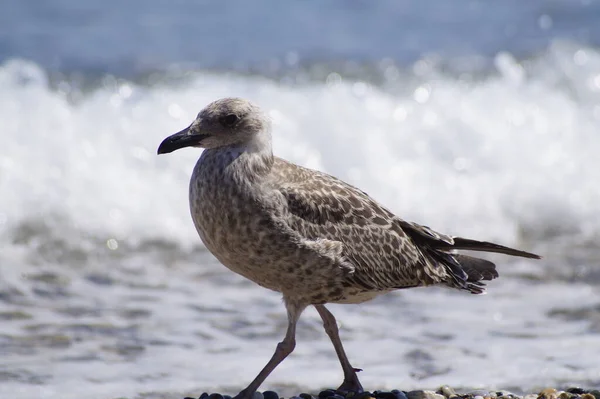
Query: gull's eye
x,y
229,120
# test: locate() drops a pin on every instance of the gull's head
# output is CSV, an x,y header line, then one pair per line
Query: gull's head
x,y
228,122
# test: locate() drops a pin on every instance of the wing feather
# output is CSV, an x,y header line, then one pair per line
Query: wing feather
x,y
386,251
323,207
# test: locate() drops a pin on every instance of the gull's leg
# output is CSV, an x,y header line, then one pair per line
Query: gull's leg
x,y
284,348
351,383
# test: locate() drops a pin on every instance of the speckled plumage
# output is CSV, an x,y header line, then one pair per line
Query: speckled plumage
x,y
306,234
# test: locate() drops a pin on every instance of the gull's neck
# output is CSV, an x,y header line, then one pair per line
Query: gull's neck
x,y
249,160
259,145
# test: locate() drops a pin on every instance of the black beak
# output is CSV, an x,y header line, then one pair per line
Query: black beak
x,y
181,139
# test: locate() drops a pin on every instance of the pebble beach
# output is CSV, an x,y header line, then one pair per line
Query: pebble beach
x,y
444,392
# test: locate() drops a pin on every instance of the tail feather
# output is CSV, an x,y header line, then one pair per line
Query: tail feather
x,y
484,246
466,272
427,237
477,269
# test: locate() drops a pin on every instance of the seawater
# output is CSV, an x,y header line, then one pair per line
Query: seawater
x,y
106,290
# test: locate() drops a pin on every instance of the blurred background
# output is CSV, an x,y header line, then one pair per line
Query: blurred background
x,y
478,118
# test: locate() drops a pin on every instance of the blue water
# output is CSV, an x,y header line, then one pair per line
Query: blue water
x,y
130,37
478,118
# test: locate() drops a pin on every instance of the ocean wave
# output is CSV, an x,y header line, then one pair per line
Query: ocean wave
x,y
511,156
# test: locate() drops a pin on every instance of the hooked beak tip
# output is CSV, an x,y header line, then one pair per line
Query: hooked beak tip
x,y
179,140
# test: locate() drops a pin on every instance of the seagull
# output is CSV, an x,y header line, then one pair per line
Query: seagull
x,y
306,234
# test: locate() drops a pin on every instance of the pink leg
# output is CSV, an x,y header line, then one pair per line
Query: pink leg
x,y
351,383
284,348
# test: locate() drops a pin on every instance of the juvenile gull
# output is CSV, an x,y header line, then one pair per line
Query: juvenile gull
x,y
306,234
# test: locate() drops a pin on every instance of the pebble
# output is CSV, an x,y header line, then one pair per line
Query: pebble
x,y
576,390
424,395
478,392
444,392
386,395
447,391
326,393
548,393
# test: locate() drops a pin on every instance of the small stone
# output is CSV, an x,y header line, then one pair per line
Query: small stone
x,y
303,396
399,394
424,395
415,394
324,394
257,395
478,397
478,392
548,393
433,395
270,395
576,390
385,395
596,393
588,396
530,396
187,397
215,396
447,391
504,394
203,395
363,395
226,396
567,395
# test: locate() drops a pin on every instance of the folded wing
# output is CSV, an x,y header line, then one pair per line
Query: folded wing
x,y
386,251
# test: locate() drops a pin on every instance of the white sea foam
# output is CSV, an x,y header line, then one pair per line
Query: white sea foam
x,y
479,158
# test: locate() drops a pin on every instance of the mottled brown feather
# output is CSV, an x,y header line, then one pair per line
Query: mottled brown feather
x,y
384,256
386,251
